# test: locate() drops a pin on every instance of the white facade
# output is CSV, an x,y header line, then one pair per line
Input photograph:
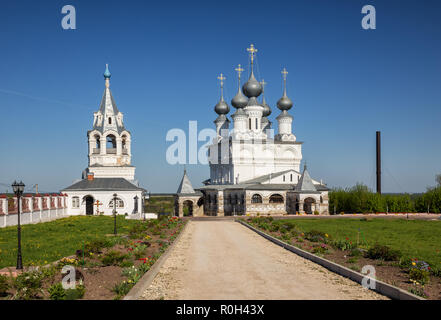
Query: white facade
x,y
109,171
251,161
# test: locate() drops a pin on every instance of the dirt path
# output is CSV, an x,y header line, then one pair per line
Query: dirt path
x,y
225,260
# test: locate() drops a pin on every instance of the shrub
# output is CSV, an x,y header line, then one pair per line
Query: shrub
x,y
4,285
28,285
121,289
356,252
75,294
419,275
315,236
316,213
113,258
343,244
57,292
137,230
405,263
94,246
320,249
380,252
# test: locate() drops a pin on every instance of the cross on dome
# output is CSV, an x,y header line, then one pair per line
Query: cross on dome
x,y
239,70
252,50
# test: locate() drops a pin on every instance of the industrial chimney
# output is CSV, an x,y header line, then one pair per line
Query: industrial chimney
x,y
378,162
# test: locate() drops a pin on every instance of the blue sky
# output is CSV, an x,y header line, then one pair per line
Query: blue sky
x,y
165,57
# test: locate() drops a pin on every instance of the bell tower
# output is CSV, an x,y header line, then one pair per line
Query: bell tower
x,y
109,141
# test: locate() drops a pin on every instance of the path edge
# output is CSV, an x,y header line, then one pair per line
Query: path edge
x,y
381,287
139,288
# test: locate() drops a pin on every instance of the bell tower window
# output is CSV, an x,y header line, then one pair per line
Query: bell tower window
x,y
110,120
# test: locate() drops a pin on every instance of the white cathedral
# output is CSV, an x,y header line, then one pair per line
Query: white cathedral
x,y
253,171
110,177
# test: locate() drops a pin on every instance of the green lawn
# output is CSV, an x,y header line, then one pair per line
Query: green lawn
x,y
414,238
46,242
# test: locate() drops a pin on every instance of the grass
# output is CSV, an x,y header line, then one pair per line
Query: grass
x,y
414,238
43,243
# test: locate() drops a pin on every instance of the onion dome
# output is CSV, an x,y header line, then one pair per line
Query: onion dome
x,y
107,72
239,101
284,103
222,107
266,107
252,88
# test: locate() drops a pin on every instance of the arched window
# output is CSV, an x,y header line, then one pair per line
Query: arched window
x,y
98,142
256,198
75,202
321,199
111,144
119,203
283,178
291,177
249,121
257,126
276,198
110,120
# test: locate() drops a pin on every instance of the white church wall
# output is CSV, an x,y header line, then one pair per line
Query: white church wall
x,y
105,198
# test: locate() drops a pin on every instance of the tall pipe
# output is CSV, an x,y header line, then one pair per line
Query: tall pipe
x,y
378,162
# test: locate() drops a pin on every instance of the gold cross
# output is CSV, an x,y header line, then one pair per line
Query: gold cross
x,y
284,72
221,78
252,51
263,83
239,70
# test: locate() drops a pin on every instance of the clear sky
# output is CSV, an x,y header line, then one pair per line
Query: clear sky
x,y
165,57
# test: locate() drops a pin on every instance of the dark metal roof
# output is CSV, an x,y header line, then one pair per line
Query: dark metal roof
x,y
104,184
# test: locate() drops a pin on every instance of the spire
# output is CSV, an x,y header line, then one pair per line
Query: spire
x,y
252,88
221,107
185,186
284,103
239,101
108,112
305,183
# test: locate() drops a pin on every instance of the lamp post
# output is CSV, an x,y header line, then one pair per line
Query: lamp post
x,y
114,213
18,191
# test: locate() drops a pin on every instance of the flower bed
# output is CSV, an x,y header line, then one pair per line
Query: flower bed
x,y
105,268
412,274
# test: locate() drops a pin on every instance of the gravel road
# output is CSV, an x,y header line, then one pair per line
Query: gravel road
x,y
225,260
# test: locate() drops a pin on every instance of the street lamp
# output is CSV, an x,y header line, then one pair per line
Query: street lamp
x,y
114,213
18,191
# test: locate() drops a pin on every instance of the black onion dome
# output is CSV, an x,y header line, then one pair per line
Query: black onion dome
x,y
284,103
239,101
266,109
222,107
252,88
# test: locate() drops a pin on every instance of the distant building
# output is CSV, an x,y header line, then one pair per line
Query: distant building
x,y
110,171
251,170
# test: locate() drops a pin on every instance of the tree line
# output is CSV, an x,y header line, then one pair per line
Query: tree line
x,y
361,199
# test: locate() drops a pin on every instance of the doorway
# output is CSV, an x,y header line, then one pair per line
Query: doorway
x,y
89,205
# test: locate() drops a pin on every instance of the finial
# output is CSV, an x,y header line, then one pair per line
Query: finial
x,y
239,70
284,73
252,51
222,78
107,76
